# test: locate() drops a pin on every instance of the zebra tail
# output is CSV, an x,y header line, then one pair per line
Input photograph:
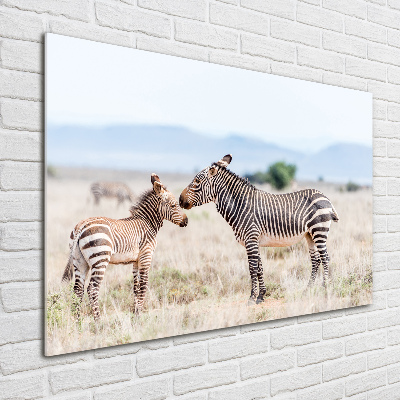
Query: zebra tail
x,y
334,215
69,269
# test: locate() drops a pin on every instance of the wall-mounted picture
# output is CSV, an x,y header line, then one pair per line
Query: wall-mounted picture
x,y
183,196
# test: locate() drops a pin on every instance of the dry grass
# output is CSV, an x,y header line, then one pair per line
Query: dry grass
x,y
199,278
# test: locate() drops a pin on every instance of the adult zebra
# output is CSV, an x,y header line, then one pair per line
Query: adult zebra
x,y
118,190
259,218
99,241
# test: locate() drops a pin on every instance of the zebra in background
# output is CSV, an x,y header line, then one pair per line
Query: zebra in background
x,y
111,189
262,219
99,241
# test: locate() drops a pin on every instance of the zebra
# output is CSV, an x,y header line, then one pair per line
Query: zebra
x,y
111,189
99,241
262,219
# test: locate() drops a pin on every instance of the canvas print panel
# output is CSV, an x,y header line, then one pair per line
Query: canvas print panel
x,y
183,196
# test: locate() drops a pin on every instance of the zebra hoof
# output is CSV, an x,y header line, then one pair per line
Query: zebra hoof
x,y
251,302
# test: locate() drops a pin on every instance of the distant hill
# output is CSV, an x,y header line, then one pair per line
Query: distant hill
x,y
177,149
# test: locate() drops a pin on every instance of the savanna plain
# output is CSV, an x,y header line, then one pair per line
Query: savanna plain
x,y
199,279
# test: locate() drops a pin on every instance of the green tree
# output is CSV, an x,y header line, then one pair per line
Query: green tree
x,y
280,174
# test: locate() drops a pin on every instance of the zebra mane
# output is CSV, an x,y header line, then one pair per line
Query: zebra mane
x,y
236,176
143,199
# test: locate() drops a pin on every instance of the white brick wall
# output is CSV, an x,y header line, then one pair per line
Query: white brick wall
x,y
347,353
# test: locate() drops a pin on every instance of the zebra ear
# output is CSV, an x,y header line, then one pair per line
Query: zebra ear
x,y
225,161
154,177
158,187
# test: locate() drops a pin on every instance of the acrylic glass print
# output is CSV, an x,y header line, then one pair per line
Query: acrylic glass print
x,y
184,196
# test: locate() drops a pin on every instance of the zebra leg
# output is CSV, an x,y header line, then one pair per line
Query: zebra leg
x,y
323,253
252,256
144,266
315,259
81,269
94,287
261,284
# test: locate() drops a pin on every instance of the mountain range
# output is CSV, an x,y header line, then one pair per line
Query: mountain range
x,y
178,149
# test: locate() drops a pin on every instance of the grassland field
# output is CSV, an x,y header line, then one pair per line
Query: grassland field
x,y
199,279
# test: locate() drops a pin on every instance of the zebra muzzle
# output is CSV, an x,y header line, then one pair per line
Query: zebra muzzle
x,y
184,222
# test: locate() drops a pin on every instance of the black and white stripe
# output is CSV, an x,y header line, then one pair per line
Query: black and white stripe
x,y
99,241
262,219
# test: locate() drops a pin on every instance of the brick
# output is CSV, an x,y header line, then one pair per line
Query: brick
x,y
393,374
378,301
295,71
394,4
267,364
365,30
344,81
386,393
343,327
320,59
393,187
21,236
16,175
268,48
294,380
114,351
130,19
386,129
379,148
383,319
349,7
393,224
389,204
387,167
283,8
320,316
394,75
246,391
244,345
22,56
393,111
365,69
366,382
383,16
262,326
85,31
205,35
293,32
21,266
393,336
382,91
383,54
238,60
20,146
296,335
318,353
23,206
393,38
379,187
172,48
200,336
343,367
238,18
379,111
16,25
173,359
386,242
23,386
20,327
330,391
393,298
383,358
193,9
153,389
365,342
386,280
75,9
22,114
29,356
319,17
393,146
22,296
344,44
203,378
87,376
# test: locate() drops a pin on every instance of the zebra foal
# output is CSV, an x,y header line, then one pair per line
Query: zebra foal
x,y
118,190
263,219
99,241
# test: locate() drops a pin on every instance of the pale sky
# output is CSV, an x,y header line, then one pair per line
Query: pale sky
x,y
98,84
